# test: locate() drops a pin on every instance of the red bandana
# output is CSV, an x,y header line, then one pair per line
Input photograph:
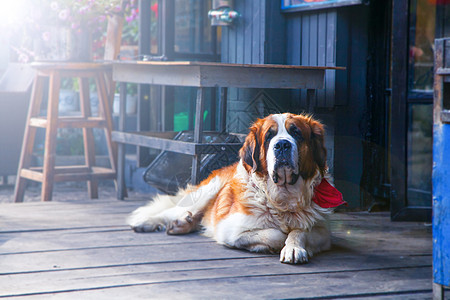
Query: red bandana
x,y
327,196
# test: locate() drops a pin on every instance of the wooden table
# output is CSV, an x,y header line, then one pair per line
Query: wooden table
x,y
202,75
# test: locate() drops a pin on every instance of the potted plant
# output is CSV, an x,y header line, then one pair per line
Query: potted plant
x,y
65,30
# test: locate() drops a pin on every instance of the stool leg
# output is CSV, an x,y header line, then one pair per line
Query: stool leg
x,y
88,136
198,135
28,138
105,111
50,137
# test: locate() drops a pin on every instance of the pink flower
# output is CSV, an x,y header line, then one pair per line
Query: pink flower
x,y
54,6
23,58
46,36
83,10
63,14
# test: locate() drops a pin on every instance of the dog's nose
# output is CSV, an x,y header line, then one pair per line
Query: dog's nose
x,y
282,145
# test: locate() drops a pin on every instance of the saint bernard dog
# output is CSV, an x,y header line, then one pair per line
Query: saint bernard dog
x,y
275,199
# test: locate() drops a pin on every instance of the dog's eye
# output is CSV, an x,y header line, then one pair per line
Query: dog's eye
x,y
295,132
270,134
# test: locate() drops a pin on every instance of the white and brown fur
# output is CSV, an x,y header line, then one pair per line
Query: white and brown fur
x,y
263,203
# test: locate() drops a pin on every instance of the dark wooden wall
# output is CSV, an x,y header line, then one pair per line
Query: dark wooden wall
x,y
311,40
257,37
336,37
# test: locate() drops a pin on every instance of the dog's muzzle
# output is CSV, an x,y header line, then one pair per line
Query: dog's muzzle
x,y
284,169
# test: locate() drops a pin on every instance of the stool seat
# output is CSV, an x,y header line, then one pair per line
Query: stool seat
x,y
51,73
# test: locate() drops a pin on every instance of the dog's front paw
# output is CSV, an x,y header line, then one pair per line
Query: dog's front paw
x,y
186,224
140,221
293,255
148,227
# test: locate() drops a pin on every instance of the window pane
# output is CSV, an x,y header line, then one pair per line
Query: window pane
x,y
193,31
420,147
421,55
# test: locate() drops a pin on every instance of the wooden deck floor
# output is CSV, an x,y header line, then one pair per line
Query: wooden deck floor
x,y
84,250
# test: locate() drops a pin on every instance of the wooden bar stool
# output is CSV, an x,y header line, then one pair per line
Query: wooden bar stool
x,y
53,72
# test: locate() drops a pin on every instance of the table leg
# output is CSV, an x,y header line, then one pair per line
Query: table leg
x,y
310,97
121,188
198,134
223,109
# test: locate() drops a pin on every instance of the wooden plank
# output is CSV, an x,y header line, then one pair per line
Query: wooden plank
x,y
232,45
181,75
65,169
294,41
224,45
224,75
145,140
87,67
71,122
257,31
205,64
262,30
96,173
330,76
31,175
105,256
32,216
322,26
331,37
70,173
313,39
240,29
263,78
158,141
251,264
246,36
272,285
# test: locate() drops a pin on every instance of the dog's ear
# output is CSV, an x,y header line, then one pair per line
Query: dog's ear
x,y
250,151
318,145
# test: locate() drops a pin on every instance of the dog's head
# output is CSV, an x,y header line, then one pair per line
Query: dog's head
x,y
284,147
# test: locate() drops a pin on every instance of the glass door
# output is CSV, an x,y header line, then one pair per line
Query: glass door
x,y
412,104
